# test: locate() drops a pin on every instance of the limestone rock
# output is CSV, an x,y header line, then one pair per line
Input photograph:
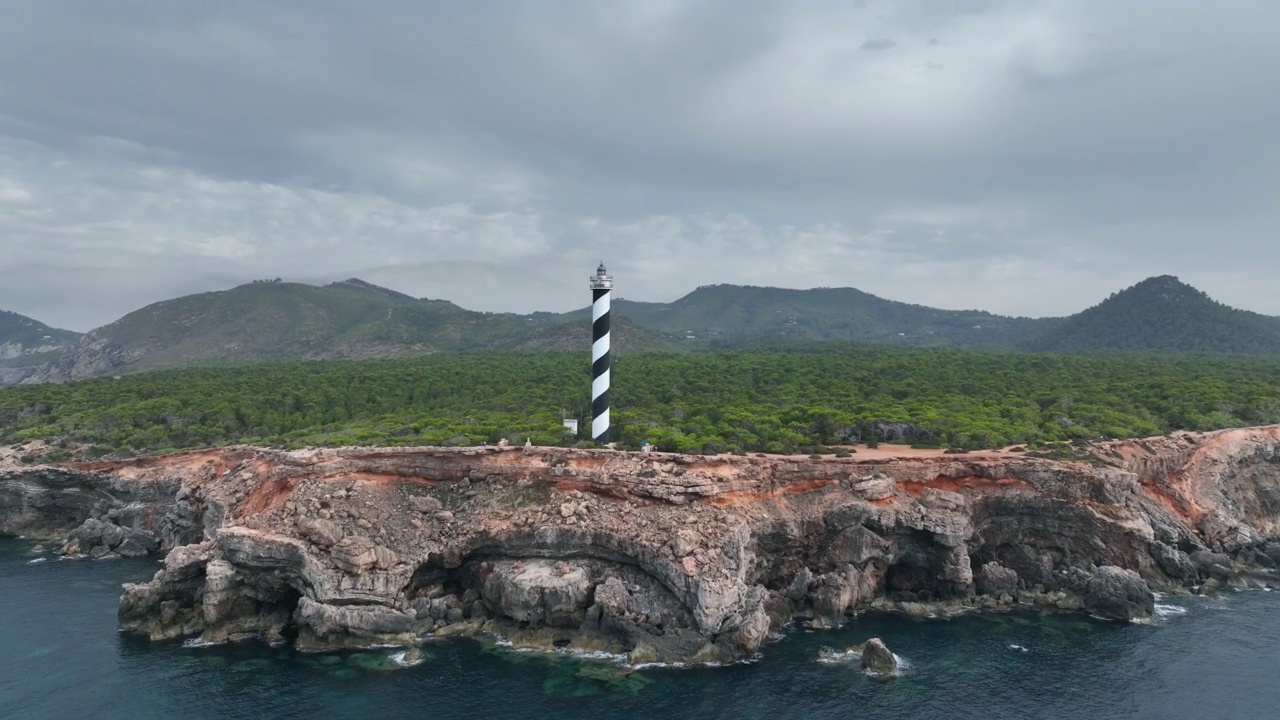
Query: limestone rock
x,y
1118,594
425,504
219,594
99,537
662,556
537,591
686,541
354,554
1174,563
995,579
351,625
877,659
1273,551
324,533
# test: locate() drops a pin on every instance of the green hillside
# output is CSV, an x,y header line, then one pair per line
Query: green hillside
x,y
278,321
726,315
1158,314
272,321
1163,313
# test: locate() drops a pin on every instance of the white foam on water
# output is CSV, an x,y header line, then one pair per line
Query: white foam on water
x,y
1018,647
399,659
198,643
831,656
1167,610
37,560
599,655
661,666
753,659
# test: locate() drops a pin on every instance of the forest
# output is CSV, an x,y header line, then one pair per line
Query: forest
x,y
805,400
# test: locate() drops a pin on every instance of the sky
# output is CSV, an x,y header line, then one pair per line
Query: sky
x,y
1027,157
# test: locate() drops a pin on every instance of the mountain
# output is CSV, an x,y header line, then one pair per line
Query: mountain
x,y
727,315
723,316
1158,314
20,336
1163,313
273,320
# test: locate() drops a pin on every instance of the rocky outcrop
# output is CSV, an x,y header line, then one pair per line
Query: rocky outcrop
x,y
101,537
997,580
98,514
664,557
1117,594
877,659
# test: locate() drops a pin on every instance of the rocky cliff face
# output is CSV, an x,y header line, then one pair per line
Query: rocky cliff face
x,y
663,557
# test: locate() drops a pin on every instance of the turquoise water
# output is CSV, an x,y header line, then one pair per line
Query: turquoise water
x,y
61,657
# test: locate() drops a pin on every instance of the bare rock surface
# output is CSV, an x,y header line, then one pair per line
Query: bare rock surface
x,y
665,557
877,659
1118,594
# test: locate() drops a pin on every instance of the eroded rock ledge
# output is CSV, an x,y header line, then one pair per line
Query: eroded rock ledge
x,y
664,557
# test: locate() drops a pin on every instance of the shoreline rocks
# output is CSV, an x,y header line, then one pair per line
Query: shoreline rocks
x,y
664,558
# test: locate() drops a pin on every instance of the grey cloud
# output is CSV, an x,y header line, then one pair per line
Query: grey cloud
x,y
878,45
1023,157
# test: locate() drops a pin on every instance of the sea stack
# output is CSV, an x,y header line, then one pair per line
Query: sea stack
x,y
601,286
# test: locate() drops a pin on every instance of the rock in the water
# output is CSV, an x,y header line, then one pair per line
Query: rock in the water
x,y
1118,594
878,659
995,579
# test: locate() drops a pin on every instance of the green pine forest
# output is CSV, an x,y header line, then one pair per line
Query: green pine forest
x,y
760,401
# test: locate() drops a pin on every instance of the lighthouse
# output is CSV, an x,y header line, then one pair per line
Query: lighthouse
x,y
601,285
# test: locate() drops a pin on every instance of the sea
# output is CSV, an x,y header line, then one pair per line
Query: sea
x,y
61,656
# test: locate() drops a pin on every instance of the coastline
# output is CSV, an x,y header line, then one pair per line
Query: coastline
x,y
661,558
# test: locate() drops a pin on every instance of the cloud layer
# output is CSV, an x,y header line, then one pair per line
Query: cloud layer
x,y
1020,157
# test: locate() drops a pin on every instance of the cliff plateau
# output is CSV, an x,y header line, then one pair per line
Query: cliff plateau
x,y
663,557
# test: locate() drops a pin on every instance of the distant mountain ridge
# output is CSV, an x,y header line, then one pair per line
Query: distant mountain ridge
x,y
1158,314
20,335
273,320
722,315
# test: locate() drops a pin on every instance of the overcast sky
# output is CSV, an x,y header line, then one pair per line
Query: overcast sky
x,y
1025,157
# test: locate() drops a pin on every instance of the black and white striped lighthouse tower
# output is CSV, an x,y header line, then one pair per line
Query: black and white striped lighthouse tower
x,y
601,285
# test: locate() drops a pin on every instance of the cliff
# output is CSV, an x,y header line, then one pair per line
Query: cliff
x,y
664,557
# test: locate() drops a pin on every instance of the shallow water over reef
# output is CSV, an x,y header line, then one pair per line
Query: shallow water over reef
x,y
61,657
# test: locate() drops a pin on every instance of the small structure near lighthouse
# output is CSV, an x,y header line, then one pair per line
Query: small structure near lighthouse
x,y
601,286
